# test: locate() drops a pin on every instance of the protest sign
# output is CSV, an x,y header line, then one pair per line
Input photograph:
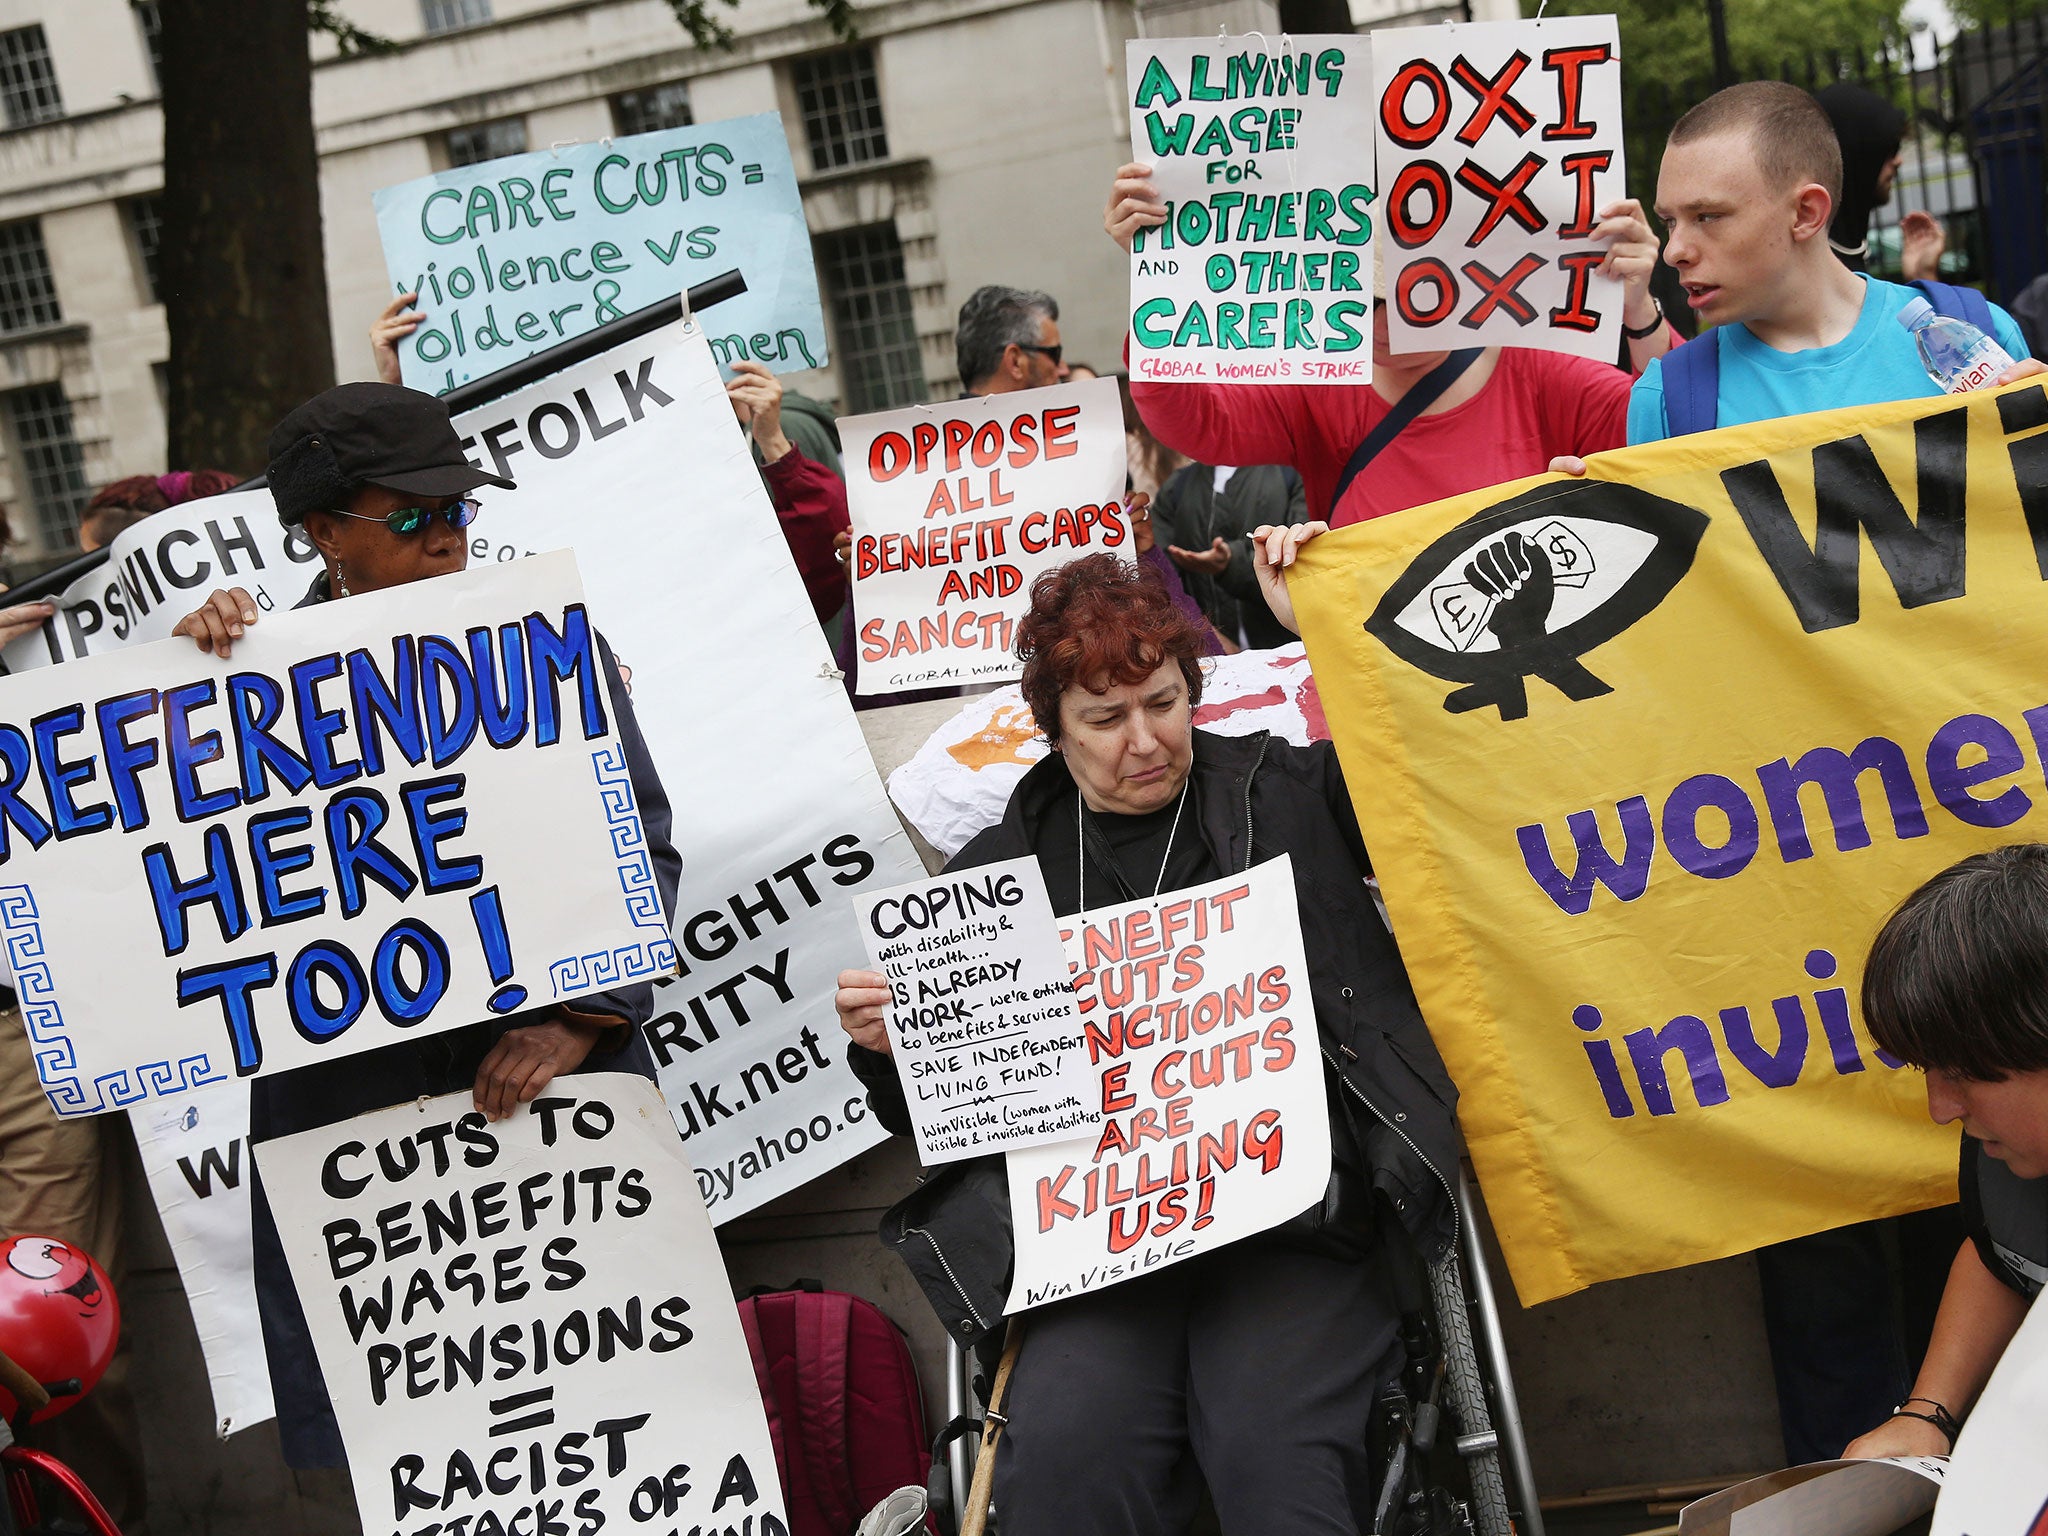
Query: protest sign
x,y
1644,760
1498,145
1998,1478
162,568
511,256
524,1325
1262,272
778,814
981,1016
960,780
958,507
197,806
1822,1498
195,1150
1195,1007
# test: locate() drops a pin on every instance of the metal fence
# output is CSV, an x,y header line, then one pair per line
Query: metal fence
x,y
1975,153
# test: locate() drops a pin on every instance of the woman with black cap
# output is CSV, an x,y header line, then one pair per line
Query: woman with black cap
x,y
376,476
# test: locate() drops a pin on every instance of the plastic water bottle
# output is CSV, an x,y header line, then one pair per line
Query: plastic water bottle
x,y
1956,355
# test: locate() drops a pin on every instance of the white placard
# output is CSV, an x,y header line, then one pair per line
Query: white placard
x,y
1197,1014
526,1323
1498,145
1998,1478
779,816
982,1016
165,566
195,1149
958,507
1262,273
322,844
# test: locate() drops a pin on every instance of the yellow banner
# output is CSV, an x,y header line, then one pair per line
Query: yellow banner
x,y
1644,760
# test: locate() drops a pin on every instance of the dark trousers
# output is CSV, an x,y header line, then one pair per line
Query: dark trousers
x,y
1848,1313
1253,1368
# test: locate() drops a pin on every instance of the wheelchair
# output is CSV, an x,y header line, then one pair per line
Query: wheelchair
x,y
1447,1435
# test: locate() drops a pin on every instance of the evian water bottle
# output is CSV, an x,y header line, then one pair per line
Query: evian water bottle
x,y
1956,355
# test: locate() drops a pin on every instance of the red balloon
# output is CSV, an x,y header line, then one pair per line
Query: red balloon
x,y
59,1317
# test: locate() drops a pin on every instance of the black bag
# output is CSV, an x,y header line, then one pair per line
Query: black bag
x,y
953,1234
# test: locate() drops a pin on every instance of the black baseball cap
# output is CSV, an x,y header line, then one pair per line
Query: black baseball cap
x,y
367,434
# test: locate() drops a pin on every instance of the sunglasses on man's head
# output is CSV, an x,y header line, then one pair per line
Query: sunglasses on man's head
x,y
458,514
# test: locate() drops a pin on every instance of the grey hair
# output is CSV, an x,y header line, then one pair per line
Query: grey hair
x,y
993,319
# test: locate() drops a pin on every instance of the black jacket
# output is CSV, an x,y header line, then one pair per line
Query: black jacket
x,y
1258,797
326,1092
1189,512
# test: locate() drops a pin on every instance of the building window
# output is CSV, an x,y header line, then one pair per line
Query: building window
x,y
151,20
478,142
874,334
649,111
28,84
28,298
146,228
447,15
841,103
52,469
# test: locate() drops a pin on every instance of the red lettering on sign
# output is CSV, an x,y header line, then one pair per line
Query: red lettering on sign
x,y
1394,105
1570,65
1493,98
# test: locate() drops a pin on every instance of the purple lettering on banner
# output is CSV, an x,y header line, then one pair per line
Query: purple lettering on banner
x,y
1596,866
1837,774
1690,1037
1681,826
1952,782
1774,1069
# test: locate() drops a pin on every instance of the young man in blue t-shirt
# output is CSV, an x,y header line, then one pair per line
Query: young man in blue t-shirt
x,y
1749,180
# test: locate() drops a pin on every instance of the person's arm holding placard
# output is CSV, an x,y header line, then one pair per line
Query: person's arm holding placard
x,y
1978,1317
1211,423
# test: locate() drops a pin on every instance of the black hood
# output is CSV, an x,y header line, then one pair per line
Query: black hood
x,y
1870,129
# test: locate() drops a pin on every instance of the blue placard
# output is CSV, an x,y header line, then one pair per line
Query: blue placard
x,y
511,256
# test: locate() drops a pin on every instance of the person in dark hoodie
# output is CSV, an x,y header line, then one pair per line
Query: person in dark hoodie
x,y
1871,131
1252,1367
376,477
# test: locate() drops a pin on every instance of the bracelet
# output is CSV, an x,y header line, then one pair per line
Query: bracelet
x,y
1941,1418
1649,330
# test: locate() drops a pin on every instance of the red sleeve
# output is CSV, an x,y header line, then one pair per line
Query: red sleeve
x,y
1312,427
1584,404
810,503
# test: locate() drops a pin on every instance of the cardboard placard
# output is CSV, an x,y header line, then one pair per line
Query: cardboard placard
x,y
957,508
1498,145
512,256
321,844
1196,1010
527,1323
982,1017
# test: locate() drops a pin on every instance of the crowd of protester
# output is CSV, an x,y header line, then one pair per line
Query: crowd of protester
x,y
1253,1369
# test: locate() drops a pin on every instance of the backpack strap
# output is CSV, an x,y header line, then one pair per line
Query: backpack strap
x,y
1426,392
824,1330
750,1325
1691,373
1959,303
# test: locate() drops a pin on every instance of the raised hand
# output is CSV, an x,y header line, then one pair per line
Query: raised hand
x,y
1516,574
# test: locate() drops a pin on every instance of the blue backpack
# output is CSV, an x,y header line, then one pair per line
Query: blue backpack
x,y
1692,372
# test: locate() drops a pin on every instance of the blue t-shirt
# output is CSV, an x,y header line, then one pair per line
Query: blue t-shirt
x,y
1874,364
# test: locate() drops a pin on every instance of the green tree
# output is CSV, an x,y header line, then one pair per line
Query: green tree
x,y
243,268
1667,54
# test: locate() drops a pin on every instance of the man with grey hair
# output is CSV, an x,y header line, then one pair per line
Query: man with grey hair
x,y
1008,339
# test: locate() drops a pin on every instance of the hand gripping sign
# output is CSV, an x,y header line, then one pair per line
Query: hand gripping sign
x,y
1262,272
527,1325
957,509
1498,145
325,843
1195,1009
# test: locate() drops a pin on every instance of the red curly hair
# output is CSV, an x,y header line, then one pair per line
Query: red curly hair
x,y
1100,621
